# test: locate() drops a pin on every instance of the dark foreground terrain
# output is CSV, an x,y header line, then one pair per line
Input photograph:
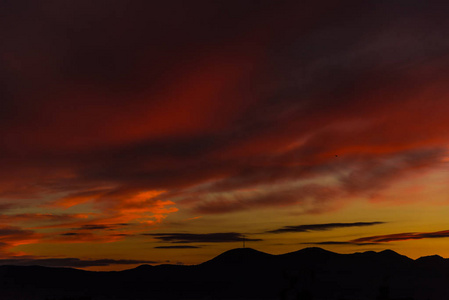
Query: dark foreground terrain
x,y
311,273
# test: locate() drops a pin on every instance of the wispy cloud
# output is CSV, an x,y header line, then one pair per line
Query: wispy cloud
x,y
176,247
42,218
340,243
402,237
312,197
220,237
387,238
240,137
322,227
11,236
7,206
71,262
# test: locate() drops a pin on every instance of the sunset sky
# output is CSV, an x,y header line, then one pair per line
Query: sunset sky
x,y
170,131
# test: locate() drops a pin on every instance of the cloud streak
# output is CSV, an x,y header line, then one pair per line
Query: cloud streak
x,y
219,237
332,243
177,247
11,236
403,237
71,262
387,238
322,227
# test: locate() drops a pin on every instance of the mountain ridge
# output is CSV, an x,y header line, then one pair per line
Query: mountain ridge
x,y
237,252
241,273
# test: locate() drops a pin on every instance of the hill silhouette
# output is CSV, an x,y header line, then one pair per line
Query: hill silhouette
x,y
243,273
239,256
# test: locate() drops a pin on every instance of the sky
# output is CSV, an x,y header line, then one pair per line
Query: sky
x,y
151,132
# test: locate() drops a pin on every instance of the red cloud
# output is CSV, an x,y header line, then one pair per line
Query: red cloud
x,y
11,236
261,108
41,218
119,215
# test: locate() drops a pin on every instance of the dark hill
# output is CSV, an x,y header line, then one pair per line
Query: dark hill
x,y
311,252
431,259
243,273
239,256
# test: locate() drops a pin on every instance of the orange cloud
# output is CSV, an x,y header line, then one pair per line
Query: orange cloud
x,y
260,109
118,215
79,198
11,236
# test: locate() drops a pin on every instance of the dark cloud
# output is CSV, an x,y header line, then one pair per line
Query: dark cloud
x,y
101,226
322,227
339,243
403,237
377,173
13,231
72,262
121,234
11,236
222,237
176,247
313,198
104,100
360,174
380,239
84,236
40,217
94,227
7,206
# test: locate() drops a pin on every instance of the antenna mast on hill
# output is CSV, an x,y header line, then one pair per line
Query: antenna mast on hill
x,y
243,241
